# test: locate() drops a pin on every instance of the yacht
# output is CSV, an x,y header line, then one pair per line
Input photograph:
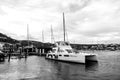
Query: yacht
x,y
64,52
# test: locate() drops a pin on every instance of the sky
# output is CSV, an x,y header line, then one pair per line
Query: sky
x,y
87,21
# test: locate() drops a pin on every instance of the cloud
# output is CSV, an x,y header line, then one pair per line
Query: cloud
x,y
90,20
99,17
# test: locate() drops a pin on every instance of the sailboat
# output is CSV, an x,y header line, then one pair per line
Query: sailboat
x,y
64,52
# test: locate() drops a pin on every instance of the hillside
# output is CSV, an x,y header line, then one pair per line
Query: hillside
x,y
5,38
35,43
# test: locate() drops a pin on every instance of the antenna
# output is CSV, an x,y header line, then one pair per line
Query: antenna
x,y
64,26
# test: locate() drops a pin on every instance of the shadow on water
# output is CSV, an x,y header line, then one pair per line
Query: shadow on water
x,y
91,66
72,71
38,68
2,61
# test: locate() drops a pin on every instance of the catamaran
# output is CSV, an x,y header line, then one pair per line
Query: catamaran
x,y
64,52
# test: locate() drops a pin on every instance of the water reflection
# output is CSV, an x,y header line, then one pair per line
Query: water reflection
x,y
82,67
2,62
35,68
91,66
71,71
38,68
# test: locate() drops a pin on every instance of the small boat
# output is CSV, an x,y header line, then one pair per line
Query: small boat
x,y
2,56
64,52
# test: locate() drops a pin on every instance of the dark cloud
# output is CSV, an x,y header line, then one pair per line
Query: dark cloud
x,y
80,4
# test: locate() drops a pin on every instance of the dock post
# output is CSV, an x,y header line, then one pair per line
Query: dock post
x,y
20,55
40,52
9,55
26,54
43,51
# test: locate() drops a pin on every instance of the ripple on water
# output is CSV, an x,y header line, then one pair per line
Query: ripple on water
x,y
38,68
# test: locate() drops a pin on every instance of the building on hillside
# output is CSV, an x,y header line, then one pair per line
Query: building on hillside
x,y
31,50
8,48
1,45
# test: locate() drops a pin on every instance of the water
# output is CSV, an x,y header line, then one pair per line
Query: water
x,y
38,68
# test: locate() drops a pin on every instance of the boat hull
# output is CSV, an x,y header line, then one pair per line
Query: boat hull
x,y
74,58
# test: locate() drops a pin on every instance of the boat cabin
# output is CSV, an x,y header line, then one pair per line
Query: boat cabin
x,y
62,43
62,46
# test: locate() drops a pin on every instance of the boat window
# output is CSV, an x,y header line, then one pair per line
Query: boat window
x,y
60,50
60,55
69,50
62,44
53,50
76,51
58,43
66,43
66,55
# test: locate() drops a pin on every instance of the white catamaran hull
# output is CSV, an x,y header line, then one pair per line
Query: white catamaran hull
x,y
76,58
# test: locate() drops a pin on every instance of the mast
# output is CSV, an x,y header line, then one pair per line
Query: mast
x,y
28,34
42,36
52,36
64,26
